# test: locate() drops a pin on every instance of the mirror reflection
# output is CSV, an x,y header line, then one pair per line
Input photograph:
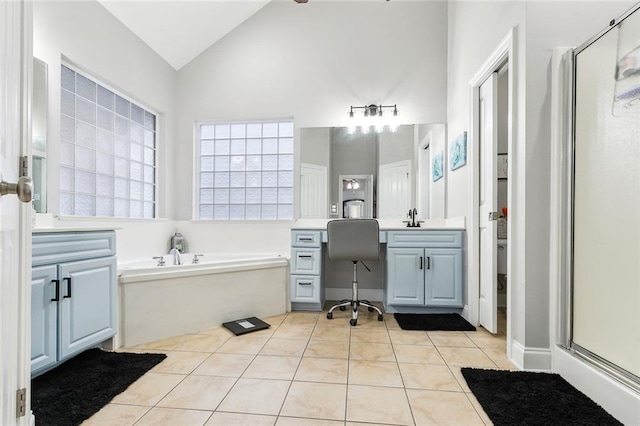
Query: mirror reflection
x,y
39,135
381,175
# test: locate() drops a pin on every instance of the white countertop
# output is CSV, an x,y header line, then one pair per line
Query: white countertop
x,y
390,224
67,229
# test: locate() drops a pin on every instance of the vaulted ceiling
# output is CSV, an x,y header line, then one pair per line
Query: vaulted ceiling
x,y
180,30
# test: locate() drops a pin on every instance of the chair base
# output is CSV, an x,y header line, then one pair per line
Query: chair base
x,y
354,309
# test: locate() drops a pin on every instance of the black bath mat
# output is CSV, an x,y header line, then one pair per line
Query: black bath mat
x,y
433,322
526,398
77,389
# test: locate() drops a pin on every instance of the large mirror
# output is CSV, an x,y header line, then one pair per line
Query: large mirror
x,y
381,175
39,135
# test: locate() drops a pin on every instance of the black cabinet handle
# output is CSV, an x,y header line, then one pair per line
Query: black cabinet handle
x,y
57,283
305,239
428,262
68,280
304,283
304,255
420,262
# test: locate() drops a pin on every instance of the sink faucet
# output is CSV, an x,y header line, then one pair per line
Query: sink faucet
x,y
177,260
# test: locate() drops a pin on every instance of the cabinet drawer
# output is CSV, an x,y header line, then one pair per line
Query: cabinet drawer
x,y
439,239
305,288
306,261
51,248
302,238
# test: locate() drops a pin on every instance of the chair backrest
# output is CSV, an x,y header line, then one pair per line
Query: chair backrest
x,y
353,239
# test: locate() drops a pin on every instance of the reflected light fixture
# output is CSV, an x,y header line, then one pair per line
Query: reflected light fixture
x,y
371,118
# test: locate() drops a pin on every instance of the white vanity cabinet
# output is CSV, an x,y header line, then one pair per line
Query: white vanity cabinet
x,y
73,294
424,270
307,290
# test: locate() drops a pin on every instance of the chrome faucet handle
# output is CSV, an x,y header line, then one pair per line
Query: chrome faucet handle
x,y
161,261
196,258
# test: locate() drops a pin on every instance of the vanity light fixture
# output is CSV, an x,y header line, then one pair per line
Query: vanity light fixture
x,y
372,118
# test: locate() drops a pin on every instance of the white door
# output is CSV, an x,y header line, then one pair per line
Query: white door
x,y
313,191
394,190
488,203
15,296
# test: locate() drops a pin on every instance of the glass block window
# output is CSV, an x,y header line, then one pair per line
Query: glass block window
x,y
107,151
245,171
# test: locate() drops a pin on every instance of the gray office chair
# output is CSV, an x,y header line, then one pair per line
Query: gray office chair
x,y
355,240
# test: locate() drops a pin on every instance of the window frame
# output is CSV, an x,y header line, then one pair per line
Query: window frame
x,y
197,166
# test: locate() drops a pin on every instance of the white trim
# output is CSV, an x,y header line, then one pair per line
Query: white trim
x,y
529,358
619,400
370,294
505,51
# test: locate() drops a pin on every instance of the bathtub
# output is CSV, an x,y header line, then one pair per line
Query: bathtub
x,y
157,302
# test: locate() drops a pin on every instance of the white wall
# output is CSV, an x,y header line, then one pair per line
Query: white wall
x,y
313,63
94,41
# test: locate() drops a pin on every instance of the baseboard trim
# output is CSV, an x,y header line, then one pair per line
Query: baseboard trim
x,y
372,295
529,358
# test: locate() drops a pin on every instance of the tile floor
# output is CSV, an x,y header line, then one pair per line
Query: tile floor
x,y
307,370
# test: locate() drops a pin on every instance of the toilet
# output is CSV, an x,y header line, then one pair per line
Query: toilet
x,y
502,257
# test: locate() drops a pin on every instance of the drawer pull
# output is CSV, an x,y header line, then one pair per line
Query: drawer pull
x,y
305,239
304,283
68,280
420,262
57,283
428,262
305,255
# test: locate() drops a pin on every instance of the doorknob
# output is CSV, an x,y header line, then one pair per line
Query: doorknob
x,y
23,189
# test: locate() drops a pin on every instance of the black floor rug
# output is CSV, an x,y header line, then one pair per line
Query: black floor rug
x,y
526,398
80,387
433,322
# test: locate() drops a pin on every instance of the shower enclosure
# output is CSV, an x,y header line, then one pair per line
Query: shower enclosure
x,y
602,294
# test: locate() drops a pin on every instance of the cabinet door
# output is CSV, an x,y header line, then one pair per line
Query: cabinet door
x,y
87,304
405,277
443,277
44,317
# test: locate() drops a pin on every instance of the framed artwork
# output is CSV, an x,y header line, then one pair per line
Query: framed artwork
x,y
458,152
437,167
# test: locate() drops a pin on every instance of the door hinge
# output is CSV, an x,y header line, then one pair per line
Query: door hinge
x,y
24,166
21,402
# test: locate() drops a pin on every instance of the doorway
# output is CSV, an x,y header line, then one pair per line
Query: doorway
x,y
492,141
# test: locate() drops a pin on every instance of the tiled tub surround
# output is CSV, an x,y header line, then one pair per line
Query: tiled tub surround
x,y
156,302
307,370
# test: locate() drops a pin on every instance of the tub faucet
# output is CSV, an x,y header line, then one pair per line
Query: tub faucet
x,y
177,260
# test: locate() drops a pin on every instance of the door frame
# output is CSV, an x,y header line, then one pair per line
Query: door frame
x,y
19,22
504,53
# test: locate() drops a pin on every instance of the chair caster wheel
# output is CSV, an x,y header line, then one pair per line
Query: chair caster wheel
x,y
330,315
353,321
379,317
342,308
370,309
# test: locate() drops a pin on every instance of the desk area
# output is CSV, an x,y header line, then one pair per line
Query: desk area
x,y
422,268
